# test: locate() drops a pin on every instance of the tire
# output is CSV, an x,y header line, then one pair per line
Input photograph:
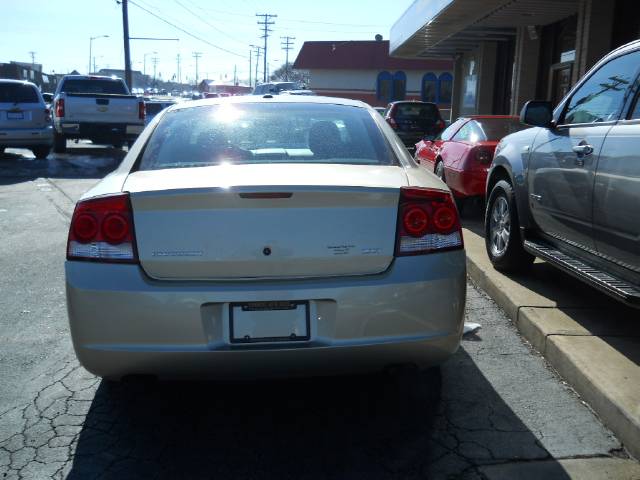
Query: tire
x,y
59,143
41,152
502,231
460,203
439,171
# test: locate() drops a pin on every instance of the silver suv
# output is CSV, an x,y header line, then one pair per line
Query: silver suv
x,y
25,120
567,190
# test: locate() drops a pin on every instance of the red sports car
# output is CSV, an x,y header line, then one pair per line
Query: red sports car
x,y
462,153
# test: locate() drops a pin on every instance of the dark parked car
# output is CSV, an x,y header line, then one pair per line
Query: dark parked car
x,y
414,121
567,191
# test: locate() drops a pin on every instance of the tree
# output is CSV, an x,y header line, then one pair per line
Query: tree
x,y
300,76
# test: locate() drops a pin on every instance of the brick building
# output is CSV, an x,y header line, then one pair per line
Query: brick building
x,y
363,70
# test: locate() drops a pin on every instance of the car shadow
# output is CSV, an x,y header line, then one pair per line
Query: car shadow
x,y
80,161
408,425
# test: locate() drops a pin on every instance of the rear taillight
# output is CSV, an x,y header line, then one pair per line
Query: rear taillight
x,y
392,123
47,115
427,222
60,107
483,156
142,111
102,230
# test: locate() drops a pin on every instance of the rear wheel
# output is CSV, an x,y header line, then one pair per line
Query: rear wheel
x,y
440,170
59,143
41,152
502,230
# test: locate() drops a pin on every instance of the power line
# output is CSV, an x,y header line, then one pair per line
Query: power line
x,y
199,17
363,25
287,45
186,31
265,22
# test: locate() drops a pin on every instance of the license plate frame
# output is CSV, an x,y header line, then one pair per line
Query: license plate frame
x,y
240,311
15,115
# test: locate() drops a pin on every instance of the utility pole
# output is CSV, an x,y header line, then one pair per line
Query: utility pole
x,y
286,46
235,74
265,22
154,60
127,55
258,49
33,58
197,55
257,52
178,70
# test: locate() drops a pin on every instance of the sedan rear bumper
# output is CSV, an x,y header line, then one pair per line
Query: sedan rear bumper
x,y
123,323
26,137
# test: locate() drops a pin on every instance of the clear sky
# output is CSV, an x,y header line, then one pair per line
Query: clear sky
x,y
58,31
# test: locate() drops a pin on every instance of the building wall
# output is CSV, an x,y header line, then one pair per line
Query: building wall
x,y
362,84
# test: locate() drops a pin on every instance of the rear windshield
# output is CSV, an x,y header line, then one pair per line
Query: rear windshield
x,y
497,128
18,93
266,133
417,110
94,86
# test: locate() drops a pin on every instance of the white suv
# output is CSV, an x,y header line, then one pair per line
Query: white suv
x,y
25,120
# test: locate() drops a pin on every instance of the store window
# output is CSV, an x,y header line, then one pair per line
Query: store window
x,y
399,86
384,88
445,88
429,88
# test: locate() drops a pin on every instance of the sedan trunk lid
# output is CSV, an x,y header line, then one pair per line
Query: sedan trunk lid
x,y
265,221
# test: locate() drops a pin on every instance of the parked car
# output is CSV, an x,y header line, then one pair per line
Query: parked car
x,y
246,248
154,107
302,91
98,108
413,121
567,190
462,153
25,120
275,88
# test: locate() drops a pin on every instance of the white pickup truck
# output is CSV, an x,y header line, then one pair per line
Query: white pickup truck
x,y
97,108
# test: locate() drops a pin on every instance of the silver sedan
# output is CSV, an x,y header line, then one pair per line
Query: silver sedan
x,y
254,237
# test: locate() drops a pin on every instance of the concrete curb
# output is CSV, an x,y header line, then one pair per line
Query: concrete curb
x,y
581,337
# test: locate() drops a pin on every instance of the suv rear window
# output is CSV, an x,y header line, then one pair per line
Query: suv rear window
x,y
417,110
94,86
18,93
266,133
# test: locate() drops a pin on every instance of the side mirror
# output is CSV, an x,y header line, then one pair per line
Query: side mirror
x,y
537,113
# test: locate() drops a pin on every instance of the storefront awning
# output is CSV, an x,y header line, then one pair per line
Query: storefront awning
x,y
446,27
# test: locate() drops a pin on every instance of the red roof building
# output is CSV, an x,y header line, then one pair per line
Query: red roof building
x,y
363,70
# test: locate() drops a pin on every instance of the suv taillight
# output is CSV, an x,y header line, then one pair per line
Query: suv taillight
x,y
60,107
102,230
427,222
142,111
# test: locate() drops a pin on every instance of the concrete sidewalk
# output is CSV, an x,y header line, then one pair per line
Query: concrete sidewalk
x,y
591,340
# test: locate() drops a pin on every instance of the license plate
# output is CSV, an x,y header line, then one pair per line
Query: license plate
x,y
134,129
15,116
277,321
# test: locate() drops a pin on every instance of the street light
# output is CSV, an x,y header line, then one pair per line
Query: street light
x,y
144,62
91,39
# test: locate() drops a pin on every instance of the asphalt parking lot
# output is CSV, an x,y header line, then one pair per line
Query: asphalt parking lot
x,y
496,403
